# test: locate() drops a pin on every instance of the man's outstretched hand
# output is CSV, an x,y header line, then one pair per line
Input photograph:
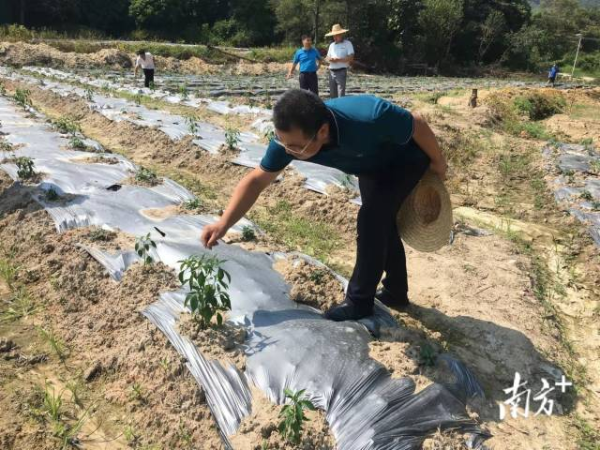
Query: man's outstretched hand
x,y
212,233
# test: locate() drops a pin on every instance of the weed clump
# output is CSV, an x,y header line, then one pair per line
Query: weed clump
x,y
25,167
539,106
23,97
147,176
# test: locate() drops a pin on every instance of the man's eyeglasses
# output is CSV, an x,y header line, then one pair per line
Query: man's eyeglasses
x,y
294,149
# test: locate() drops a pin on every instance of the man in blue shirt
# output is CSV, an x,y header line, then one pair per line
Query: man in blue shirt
x,y
387,147
553,73
310,61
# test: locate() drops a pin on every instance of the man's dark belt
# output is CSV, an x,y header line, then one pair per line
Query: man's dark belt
x,y
337,70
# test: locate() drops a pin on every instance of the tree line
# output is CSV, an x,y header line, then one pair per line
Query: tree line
x,y
389,35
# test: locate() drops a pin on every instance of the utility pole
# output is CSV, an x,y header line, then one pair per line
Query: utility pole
x,y
580,36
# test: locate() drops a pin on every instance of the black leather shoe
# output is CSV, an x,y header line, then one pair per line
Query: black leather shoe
x,y
389,300
348,311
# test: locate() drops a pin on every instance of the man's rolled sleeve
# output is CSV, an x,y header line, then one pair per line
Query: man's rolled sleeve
x,y
275,159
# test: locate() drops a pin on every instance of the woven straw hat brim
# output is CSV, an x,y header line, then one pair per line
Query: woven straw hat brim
x,y
333,32
418,224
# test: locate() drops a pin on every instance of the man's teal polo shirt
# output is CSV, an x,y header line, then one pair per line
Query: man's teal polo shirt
x,y
369,134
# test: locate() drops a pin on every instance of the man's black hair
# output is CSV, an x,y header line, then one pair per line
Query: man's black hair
x,y
306,36
301,109
142,52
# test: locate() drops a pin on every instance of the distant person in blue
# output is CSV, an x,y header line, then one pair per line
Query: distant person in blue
x,y
386,146
310,61
554,70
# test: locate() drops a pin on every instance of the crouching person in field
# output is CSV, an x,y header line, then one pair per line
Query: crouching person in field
x,y
387,147
145,60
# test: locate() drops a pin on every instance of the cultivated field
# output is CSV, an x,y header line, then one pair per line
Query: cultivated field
x,y
105,187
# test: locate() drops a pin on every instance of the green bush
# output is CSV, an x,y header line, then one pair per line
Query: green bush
x,y
15,33
25,167
66,125
538,106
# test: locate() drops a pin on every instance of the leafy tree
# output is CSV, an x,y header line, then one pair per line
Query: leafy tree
x,y
491,30
442,20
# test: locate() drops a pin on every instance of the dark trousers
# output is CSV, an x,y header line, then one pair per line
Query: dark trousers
x,y
379,247
148,77
310,82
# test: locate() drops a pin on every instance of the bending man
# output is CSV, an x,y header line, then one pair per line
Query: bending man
x,y
386,146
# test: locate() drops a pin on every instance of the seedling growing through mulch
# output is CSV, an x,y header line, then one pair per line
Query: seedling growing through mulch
x,y
77,143
183,91
595,166
25,167
137,98
144,175
192,204
293,416
232,138
5,146
2,89
89,94
22,97
427,355
248,234
152,86
192,125
51,195
66,125
142,248
586,195
208,283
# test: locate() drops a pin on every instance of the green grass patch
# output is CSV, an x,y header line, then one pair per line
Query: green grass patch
x,y
272,54
534,130
589,438
519,116
581,111
309,236
539,106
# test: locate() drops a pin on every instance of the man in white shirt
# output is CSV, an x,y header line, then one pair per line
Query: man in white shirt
x,y
339,56
145,60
